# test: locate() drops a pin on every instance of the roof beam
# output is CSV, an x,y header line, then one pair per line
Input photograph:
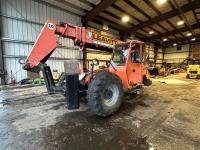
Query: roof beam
x,y
100,19
169,22
69,4
125,12
159,13
146,15
137,8
186,42
114,16
194,13
176,31
187,7
142,12
182,39
112,23
133,17
56,7
181,16
104,4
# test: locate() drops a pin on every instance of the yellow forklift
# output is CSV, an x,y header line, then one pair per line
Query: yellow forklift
x,y
193,69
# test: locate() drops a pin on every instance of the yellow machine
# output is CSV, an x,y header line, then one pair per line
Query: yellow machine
x,y
56,75
193,70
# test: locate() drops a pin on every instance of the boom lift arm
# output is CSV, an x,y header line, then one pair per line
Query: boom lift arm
x,y
47,41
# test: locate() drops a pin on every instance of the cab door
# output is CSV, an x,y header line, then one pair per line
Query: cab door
x,y
135,66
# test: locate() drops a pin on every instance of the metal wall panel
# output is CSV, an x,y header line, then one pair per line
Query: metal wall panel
x,y
151,56
102,57
22,21
172,55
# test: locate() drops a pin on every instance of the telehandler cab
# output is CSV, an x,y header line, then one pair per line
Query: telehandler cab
x,y
127,70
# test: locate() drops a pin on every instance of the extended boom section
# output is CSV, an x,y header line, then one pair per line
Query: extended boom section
x,y
47,41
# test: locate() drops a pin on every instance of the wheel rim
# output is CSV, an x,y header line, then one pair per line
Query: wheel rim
x,y
110,95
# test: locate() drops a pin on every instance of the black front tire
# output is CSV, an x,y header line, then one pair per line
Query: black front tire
x,y
104,94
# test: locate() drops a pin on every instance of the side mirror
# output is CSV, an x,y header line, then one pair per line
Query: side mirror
x,y
95,62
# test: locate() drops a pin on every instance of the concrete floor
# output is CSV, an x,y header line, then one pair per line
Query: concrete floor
x,y
165,116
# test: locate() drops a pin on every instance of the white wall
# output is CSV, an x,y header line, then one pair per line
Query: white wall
x,y
172,55
152,53
22,21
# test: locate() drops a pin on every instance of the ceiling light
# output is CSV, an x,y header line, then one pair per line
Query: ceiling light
x,y
174,44
180,22
164,39
125,19
193,39
160,2
189,34
151,32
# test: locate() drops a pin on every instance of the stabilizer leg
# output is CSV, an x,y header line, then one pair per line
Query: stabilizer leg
x,y
72,91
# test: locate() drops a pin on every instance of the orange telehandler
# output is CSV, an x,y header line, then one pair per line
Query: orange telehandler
x,y
126,71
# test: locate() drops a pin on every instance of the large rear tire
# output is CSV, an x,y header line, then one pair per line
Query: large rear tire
x,y
105,93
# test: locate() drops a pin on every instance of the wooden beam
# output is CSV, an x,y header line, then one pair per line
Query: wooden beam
x,y
176,31
70,5
103,5
87,3
131,15
142,12
111,23
57,7
180,17
152,6
172,27
126,12
159,13
100,19
191,42
146,15
113,15
137,8
121,29
197,36
185,8
156,10
194,13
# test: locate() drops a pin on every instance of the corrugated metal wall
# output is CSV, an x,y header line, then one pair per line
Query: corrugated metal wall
x,y
101,56
174,56
195,50
151,52
22,21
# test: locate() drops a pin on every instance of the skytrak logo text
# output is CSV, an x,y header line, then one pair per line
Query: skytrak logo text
x,y
104,39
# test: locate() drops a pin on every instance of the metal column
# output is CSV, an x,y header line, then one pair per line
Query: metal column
x,y
84,59
2,71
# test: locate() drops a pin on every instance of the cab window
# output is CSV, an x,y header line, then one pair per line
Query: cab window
x,y
120,54
135,54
